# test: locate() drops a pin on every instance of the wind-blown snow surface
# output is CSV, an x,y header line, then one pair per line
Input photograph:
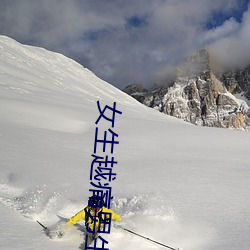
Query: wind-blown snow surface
x,y
179,184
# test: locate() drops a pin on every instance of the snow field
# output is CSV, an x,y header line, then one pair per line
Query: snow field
x,y
182,185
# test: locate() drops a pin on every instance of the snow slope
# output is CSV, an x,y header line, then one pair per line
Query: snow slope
x,y
179,184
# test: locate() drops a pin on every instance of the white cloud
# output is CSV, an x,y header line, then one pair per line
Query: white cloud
x,y
228,28
97,32
233,50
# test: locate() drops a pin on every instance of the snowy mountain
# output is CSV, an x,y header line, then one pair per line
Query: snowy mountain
x,y
182,185
237,81
201,96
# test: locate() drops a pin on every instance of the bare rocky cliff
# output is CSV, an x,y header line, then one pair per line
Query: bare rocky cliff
x,y
200,96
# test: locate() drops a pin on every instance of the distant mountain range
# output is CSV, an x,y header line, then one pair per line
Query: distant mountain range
x,y
201,94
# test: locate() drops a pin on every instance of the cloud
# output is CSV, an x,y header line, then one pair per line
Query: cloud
x,y
228,28
232,50
121,41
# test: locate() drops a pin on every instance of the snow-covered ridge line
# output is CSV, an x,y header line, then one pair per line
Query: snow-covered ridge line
x,y
42,68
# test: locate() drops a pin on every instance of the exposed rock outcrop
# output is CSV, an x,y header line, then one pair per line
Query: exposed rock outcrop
x,y
201,97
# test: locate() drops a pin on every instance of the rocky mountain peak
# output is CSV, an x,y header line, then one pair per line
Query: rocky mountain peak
x,y
200,96
197,64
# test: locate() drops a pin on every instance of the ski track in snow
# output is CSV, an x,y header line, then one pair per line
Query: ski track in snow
x,y
144,214
32,204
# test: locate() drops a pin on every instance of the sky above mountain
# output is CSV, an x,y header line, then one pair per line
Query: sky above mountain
x,y
131,41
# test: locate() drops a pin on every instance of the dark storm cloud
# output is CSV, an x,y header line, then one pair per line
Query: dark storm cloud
x,y
132,41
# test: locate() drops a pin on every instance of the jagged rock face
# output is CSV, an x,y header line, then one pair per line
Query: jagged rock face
x,y
205,102
137,91
133,88
199,97
237,81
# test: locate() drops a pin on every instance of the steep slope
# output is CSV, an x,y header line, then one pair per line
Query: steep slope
x,y
183,185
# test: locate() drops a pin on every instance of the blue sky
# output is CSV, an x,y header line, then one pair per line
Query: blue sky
x,y
218,17
131,41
